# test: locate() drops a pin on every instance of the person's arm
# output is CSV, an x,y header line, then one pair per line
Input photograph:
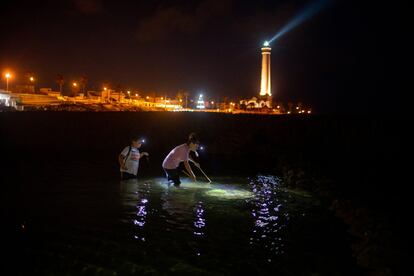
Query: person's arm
x,y
190,172
194,162
142,154
121,159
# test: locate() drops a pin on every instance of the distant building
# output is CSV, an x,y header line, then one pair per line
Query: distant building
x,y
45,90
257,102
25,88
200,102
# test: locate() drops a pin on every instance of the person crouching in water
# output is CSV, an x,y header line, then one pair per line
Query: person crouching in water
x,y
129,159
180,154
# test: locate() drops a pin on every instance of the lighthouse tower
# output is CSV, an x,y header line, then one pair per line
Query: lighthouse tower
x,y
265,84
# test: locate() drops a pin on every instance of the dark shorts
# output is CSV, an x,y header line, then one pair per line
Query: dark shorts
x,y
173,175
125,176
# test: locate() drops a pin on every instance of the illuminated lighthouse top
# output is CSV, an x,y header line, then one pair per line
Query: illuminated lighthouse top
x,y
266,44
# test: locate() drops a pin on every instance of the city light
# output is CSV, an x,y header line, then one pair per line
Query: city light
x,y
200,102
8,75
31,79
75,84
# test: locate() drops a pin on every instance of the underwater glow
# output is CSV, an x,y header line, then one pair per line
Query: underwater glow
x,y
301,17
229,194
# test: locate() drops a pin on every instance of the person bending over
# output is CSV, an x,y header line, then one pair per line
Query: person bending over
x,y
180,154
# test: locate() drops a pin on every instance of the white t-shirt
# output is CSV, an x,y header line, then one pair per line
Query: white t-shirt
x,y
132,162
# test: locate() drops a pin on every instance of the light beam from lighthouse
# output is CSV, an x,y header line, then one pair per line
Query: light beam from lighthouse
x,y
265,84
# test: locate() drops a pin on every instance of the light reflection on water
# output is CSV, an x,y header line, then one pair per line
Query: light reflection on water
x,y
228,226
182,211
200,221
269,216
142,210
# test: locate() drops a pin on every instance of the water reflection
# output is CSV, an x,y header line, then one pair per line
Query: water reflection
x,y
200,221
199,227
269,216
138,193
178,205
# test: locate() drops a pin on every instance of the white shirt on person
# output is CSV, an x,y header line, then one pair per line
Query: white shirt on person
x,y
132,160
176,156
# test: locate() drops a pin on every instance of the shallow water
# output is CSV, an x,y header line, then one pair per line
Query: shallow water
x,y
231,226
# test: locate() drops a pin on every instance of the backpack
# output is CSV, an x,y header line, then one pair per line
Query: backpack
x,y
126,157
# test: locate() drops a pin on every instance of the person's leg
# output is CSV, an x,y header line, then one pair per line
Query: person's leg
x,y
126,176
174,176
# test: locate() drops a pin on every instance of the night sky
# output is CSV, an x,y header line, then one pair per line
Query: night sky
x,y
347,58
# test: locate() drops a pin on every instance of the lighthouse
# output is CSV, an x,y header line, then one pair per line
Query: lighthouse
x,y
265,84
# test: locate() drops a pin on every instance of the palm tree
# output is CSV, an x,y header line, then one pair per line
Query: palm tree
x,y
60,81
83,83
186,94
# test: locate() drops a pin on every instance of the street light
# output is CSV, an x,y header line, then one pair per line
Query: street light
x,y
75,84
32,81
8,76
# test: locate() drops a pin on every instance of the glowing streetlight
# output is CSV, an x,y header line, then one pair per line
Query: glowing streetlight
x,y
147,97
8,76
75,84
136,95
105,88
31,79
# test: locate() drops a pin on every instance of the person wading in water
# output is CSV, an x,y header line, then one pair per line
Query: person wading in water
x,y
180,154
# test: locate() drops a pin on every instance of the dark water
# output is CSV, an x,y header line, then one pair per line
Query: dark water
x,y
70,226
64,211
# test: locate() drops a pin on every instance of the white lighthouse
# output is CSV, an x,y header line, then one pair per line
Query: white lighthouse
x,y
265,84
265,96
